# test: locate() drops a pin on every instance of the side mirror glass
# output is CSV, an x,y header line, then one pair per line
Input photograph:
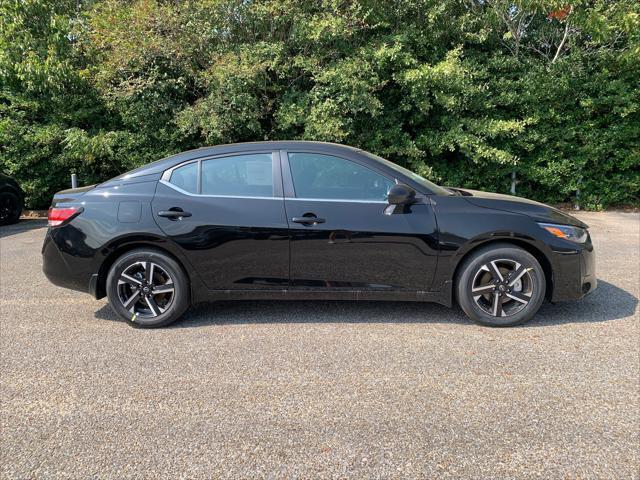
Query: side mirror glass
x,y
401,194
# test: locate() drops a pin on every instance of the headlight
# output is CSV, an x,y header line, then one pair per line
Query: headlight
x,y
568,232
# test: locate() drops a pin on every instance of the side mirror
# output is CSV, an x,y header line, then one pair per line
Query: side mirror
x,y
401,194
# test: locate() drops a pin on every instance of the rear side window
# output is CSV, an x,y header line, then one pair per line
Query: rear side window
x,y
248,175
317,176
186,177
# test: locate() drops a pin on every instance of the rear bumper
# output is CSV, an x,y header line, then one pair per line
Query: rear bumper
x,y
574,274
58,270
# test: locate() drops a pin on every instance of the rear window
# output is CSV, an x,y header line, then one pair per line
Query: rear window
x,y
240,175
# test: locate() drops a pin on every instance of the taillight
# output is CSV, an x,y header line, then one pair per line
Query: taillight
x,y
59,215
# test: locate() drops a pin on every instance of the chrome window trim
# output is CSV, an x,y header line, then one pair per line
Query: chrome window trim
x,y
205,195
165,179
382,202
166,176
184,192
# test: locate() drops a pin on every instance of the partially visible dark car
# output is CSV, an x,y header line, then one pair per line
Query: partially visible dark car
x,y
305,221
11,200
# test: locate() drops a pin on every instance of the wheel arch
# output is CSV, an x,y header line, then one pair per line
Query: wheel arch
x,y
121,249
539,255
10,188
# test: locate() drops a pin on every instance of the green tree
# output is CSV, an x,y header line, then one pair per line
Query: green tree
x,y
462,91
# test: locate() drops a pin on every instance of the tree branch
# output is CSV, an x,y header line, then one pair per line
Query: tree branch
x,y
562,42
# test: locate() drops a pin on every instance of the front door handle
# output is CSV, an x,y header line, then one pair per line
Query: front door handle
x,y
308,220
174,213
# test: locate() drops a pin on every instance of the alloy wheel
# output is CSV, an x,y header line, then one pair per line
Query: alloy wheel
x,y
145,289
502,288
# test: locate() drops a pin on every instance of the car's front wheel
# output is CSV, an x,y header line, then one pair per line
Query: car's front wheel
x,y
148,288
501,285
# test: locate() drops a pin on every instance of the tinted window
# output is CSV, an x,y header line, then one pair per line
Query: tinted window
x,y
412,175
241,175
326,177
186,177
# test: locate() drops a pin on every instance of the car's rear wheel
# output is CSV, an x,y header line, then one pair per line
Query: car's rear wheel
x,y
10,208
148,288
501,285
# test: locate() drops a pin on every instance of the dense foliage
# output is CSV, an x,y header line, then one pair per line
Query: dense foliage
x,y
464,92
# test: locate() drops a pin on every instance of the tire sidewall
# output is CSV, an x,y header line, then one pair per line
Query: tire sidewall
x,y
473,264
181,300
17,208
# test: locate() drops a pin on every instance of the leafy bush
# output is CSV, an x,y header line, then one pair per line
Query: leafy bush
x,y
463,92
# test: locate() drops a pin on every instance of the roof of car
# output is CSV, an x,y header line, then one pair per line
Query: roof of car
x,y
168,162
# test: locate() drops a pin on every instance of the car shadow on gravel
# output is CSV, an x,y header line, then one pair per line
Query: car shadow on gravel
x,y
22,226
607,303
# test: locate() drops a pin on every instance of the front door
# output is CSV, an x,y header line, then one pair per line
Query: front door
x,y
227,214
341,237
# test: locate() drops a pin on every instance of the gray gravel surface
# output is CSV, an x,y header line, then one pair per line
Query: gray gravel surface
x,y
319,390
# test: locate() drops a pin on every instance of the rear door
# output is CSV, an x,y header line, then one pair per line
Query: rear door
x,y
227,214
341,237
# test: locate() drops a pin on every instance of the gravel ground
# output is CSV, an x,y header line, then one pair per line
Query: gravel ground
x,y
320,390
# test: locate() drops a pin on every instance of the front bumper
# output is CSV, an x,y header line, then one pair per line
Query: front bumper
x,y
574,274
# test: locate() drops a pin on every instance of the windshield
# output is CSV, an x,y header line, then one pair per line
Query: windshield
x,y
437,189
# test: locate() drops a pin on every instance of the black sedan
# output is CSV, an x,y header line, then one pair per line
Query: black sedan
x,y
309,221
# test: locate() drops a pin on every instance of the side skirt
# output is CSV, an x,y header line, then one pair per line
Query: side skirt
x,y
443,297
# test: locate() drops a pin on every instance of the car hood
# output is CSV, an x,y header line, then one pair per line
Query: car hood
x,y
509,203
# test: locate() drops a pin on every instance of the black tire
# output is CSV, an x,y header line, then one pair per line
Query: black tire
x,y
497,298
149,310
10,208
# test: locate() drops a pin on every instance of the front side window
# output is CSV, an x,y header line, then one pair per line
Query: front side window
x,y
186,177
240,175
412,175
317,176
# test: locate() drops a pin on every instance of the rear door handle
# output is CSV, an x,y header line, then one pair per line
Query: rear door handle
x,y
308,220
174,214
